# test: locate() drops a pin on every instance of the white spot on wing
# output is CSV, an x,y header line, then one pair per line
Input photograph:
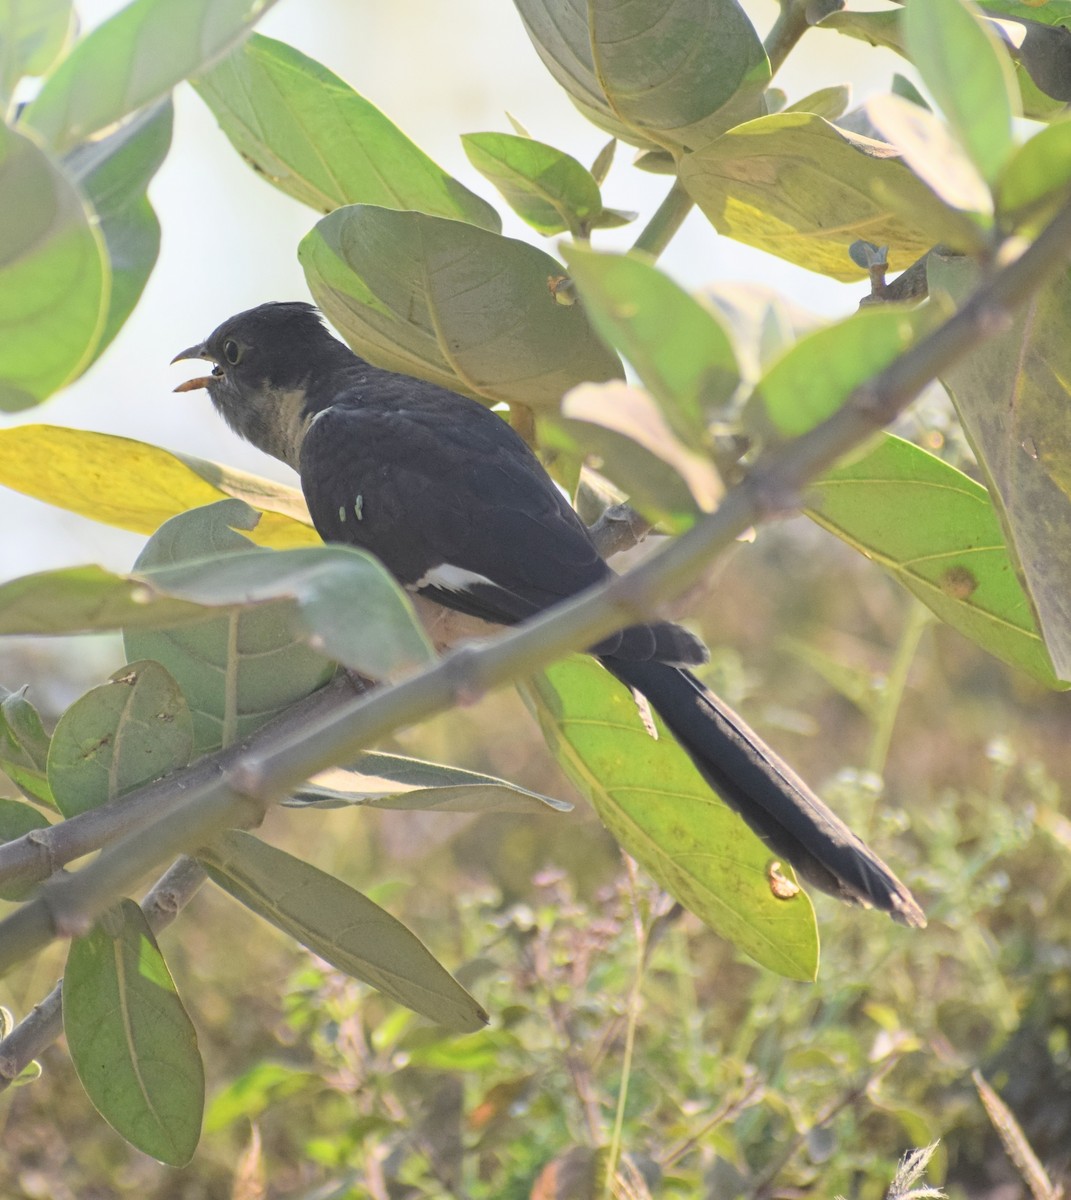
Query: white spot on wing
x,y
452,579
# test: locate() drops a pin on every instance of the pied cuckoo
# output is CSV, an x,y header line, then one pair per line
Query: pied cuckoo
x,y
456,506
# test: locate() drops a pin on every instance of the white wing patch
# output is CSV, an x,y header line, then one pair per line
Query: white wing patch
x,y
452,579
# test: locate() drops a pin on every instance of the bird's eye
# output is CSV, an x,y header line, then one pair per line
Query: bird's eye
x,y
232,352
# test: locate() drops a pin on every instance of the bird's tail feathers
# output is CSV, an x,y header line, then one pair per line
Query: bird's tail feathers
x,y
766,792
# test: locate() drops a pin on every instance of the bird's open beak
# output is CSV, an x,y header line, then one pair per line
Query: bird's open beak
x,y
202,381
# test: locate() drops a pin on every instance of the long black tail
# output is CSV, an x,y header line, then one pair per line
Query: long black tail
x,y
770,797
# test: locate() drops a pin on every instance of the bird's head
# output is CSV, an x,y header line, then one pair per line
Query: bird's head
x,y
264,362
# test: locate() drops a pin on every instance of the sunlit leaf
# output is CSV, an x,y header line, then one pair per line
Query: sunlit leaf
x,y
125,733
969,74
545,187
24,746
131,1041
342,926
378,780
677,345
137,486
937,531
1037,177
134,59
443,300
54,280
813,378
652,799
800,188
311,135
34,37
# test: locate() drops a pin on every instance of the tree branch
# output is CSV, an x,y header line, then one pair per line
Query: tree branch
x,y
274,766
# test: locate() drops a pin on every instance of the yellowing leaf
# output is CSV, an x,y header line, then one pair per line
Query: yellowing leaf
x,y
136,486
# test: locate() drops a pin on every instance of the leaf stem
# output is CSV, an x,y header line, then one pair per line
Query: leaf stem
x,y
790,26
667,219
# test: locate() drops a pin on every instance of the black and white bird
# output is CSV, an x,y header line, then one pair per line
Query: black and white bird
x,y
457,507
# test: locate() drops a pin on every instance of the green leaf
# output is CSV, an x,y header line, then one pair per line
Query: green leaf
x,y
131,1041
445,301
545,187
54,279
814,378
24,747
1011,396
655,803
631,414
800,188
113,173
135,59
937,532
342,926
674,75
83,600
969,74
392,781
1037,178
828,102
263,1086
929,149
137,486
677,345
34,37
243,665
312,136
125,733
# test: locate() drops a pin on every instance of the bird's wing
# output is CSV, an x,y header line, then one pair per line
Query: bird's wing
x,y
452,502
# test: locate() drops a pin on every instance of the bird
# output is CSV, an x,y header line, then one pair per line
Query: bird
x,y
460,510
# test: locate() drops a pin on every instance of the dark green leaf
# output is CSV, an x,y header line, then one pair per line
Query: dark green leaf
x,y
467,309
132,1042
544,186
135,59
311,135
342,926
34,36
392,781
937,532
24,747
675,75
53,276
800,188
658,807
125,733
968,72
1011,395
